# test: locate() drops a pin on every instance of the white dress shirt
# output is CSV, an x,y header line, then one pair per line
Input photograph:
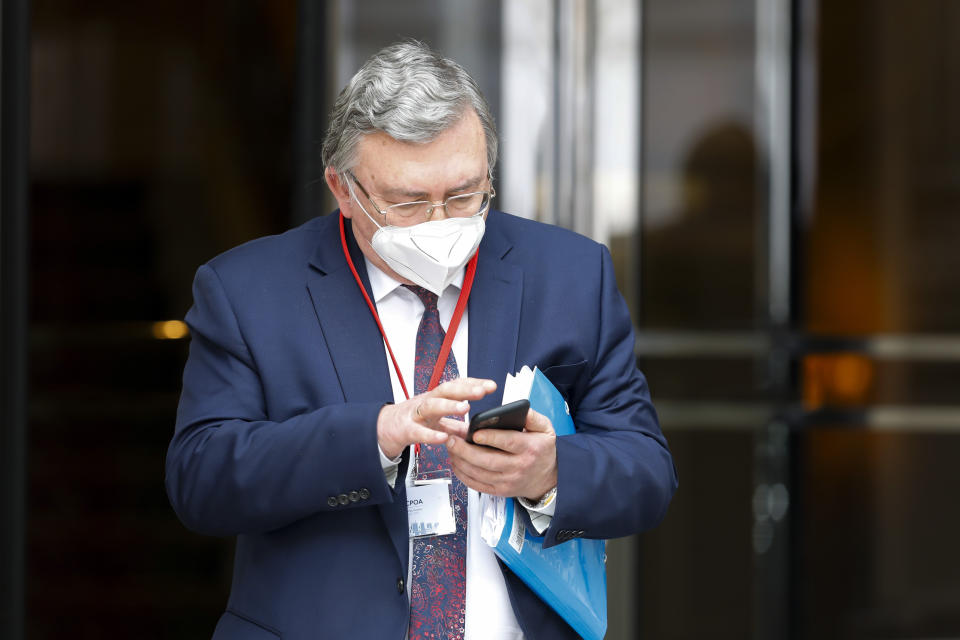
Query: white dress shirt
x,y
489,615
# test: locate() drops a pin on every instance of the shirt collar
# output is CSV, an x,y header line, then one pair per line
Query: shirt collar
x,y
383,285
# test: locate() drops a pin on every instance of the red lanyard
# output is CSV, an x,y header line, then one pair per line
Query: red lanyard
x,y
451,330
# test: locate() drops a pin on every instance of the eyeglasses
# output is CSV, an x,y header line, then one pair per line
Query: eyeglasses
x,y
459,206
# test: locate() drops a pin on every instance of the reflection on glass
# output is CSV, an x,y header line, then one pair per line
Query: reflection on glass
x,y
698,254
699,263
854,380
704,379
836,380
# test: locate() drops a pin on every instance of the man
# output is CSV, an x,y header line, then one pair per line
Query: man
x,y
318,401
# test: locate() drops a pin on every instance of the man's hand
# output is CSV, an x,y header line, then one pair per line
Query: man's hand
x,y
423,418
523,463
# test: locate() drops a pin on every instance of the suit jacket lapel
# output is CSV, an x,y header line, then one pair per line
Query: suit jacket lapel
x,y
355,346
351,334
494,309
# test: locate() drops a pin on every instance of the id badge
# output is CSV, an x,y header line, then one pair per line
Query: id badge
x,y
430,503
430,510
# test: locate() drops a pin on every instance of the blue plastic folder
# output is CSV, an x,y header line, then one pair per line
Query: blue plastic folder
x,y
571,577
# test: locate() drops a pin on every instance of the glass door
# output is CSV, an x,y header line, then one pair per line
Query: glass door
x,y
799,317
712,205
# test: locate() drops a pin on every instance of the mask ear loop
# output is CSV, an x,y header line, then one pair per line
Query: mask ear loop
x,y
353,194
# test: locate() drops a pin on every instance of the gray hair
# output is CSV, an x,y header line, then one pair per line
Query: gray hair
x,y
409,92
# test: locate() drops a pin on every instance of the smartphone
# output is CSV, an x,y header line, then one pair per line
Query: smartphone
x,y
508,416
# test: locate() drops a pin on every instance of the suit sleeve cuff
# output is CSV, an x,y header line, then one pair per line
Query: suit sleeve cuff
x,y
541,513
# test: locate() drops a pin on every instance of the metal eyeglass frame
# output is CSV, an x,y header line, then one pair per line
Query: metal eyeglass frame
x,y
431,205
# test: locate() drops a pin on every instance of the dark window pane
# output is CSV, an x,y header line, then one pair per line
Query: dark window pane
x,y
699,378
699,257
696,565
159,138
881,244
848,380
878,536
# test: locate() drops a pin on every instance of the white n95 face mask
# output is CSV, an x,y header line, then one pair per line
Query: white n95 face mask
x,y
430,253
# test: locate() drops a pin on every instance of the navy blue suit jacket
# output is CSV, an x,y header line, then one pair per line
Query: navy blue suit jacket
x,y
276,444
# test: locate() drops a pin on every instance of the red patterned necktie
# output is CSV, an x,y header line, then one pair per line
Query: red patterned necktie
x,y
439,564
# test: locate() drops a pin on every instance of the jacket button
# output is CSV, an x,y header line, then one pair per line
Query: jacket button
x,y
343,499
354,496
332,501
399,585
364,494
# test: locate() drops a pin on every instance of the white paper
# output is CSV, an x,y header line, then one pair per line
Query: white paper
x,y
517,385
493,516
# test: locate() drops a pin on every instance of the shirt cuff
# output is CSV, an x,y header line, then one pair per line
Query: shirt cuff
x,y
541,513
389,466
